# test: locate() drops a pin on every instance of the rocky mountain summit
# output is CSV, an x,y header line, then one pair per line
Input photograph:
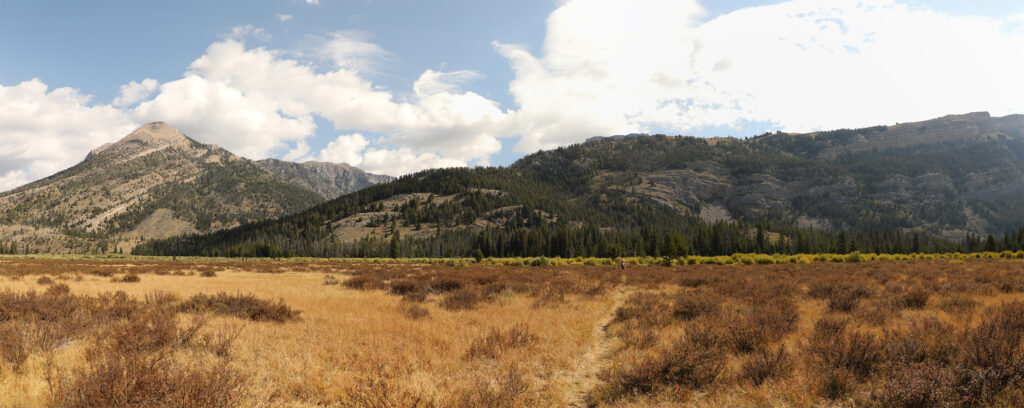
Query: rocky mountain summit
x,y
155,182
329,180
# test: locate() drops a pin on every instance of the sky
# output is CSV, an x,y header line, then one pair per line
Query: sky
x,y
395,87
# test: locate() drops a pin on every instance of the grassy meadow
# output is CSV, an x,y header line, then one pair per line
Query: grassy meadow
x,y
746,330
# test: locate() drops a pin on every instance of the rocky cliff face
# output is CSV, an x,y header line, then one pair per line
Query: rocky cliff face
x,y
329,180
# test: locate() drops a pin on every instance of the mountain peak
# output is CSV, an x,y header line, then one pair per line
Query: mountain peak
x,y
153,135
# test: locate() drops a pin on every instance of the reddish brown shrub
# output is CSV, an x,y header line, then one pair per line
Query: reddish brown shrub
x,y
918,385
835,384
414,311
764,324
691,305
462,299
958,304
681,363
925,340
127,278
246,306
856,352
766,364
646,310
916,298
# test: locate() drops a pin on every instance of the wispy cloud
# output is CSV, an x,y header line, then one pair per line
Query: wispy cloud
x,y
240,33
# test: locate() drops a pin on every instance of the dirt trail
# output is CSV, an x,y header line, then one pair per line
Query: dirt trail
x,y
583,378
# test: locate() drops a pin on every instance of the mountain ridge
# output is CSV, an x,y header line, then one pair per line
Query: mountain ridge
x,y
937,184
154,182
330,180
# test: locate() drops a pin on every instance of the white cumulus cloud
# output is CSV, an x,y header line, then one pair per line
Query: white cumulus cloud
x,y
345,149
260,103
611,66
284,17
248,124
44,131
134,92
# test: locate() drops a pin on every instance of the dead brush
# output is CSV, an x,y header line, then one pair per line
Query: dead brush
x,y
645,309
549,296
763,324
857,352
466,298
44,280
923,384
127,278
843,300
878,311
683,363
30,322
498,342
835,384
443,286
415,297
693,304
330,280
925,340
404,286
414,311
362,282
130,355
17,342
245,306
766,364
958,304
916,298
132,364
990,354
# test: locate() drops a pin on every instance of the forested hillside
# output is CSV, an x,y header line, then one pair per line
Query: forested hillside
x,y
662,195
154,183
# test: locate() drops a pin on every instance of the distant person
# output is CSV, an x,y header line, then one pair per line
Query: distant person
x,y
622,263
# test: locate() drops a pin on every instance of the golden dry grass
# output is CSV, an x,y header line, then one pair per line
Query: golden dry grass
x,y
584,333
347,337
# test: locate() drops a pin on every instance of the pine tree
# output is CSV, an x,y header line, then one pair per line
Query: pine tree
x,y
393,249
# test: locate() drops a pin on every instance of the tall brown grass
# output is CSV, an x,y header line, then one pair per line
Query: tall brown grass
x,y
876,333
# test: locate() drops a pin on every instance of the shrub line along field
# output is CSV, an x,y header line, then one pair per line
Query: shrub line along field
x,y
802,331
739,258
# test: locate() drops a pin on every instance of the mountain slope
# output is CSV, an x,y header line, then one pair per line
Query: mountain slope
x,y
155,182
329,180
949,176
897,188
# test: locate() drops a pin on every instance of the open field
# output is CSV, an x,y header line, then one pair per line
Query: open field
x,y
187,333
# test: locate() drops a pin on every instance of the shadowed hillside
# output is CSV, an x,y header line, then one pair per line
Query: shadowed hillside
x,y
935,185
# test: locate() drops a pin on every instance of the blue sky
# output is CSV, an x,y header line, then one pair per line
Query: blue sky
x,y
479,82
